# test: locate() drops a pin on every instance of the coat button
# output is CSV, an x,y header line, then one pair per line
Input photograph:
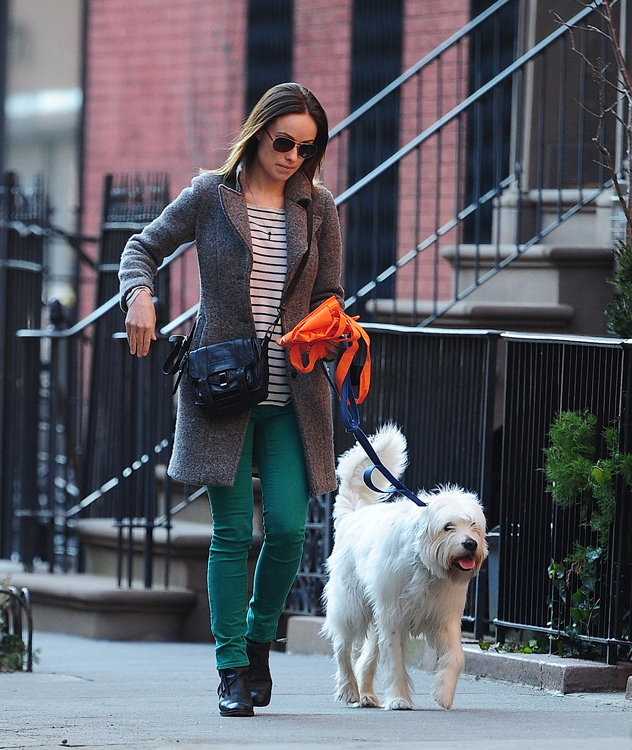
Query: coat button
x,y
294,373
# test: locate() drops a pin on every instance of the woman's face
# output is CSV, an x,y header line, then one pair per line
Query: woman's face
x,y
280,166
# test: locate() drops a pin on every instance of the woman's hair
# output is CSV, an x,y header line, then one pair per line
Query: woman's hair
x,y
280,100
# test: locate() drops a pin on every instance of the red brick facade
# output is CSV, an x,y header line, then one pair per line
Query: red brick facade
x,y
166,85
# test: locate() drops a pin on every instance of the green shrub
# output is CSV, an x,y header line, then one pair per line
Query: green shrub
x,y
619,311
578,477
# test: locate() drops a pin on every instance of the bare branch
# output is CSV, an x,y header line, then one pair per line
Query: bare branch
x,y
616,46
615,179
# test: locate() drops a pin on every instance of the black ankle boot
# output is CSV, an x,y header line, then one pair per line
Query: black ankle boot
x,y
234,692
259,672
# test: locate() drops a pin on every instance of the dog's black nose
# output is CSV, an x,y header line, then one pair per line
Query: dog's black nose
x,y
470,545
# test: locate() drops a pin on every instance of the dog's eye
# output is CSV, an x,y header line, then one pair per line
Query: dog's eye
x,y
449,527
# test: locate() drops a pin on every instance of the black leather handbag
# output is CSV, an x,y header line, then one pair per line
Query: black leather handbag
x,y
231,376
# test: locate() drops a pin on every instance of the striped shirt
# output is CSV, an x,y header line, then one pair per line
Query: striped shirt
x,y
267,279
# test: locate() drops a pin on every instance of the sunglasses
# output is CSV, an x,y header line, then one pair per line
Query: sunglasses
x,y
283,145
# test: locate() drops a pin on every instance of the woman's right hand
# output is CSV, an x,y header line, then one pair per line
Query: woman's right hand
x,y
140,324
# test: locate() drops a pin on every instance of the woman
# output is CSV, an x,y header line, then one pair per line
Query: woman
x,y
249,220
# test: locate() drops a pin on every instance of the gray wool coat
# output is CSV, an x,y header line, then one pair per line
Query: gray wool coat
x,y
206,449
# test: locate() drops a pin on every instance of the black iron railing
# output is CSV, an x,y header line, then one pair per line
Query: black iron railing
x,y
476,408
545,377
86,408
22,214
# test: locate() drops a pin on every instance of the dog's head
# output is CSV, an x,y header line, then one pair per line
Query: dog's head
x,y
452,544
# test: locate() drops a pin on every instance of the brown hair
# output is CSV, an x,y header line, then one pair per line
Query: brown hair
x,y
280,100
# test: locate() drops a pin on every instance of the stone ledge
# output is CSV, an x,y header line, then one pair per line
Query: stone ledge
x,y
186,536
547,671
95,607
538,670
483,314
537,256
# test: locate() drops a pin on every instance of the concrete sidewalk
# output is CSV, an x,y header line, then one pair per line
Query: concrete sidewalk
x,y
91,694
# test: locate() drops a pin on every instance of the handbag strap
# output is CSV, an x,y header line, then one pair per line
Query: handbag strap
x,y
297,274
182,344
301,267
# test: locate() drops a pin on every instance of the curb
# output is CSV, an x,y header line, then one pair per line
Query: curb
x,y
543,671
546,671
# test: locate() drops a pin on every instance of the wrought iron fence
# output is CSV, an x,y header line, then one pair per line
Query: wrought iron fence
x,y
545,377
22,213
454,393
75,386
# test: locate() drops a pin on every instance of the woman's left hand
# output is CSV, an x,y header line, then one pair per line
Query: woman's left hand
x,y
333,350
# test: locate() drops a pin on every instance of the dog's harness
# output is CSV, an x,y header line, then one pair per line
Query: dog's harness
x,y
307,345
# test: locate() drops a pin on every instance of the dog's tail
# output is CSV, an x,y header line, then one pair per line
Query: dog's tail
x,y
390,445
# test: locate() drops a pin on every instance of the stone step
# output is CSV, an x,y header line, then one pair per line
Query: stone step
x,y
187,560
548,288
95,607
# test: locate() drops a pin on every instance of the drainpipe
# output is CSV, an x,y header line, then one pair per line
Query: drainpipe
x,y
4,36
81,142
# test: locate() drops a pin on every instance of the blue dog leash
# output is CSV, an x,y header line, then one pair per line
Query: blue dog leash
x,y
351,423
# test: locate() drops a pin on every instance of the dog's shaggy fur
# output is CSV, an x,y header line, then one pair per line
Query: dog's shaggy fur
x,y
396,570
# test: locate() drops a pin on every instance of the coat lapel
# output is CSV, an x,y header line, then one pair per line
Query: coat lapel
x,y
298,196
234,205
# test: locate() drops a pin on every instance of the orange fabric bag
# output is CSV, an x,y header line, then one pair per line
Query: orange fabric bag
x,y
328,322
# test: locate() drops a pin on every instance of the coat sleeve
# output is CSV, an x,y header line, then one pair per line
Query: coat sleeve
x,y
327,282
144,252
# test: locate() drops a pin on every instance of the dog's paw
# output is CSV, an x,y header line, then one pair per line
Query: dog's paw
x,y
398,704
443,696
348,694
369,700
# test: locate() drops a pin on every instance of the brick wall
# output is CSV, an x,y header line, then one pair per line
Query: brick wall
x,y
322,61
166,86
427,185
165,89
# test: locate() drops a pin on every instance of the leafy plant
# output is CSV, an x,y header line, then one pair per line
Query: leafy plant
x,y
13,650
576,477
532,646
619,310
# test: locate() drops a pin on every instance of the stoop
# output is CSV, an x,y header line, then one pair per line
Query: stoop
x,y
544,671
95,607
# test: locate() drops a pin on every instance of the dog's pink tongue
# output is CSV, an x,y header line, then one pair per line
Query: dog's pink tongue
x,y
467,563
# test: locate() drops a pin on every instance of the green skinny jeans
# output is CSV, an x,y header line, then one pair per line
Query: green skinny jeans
x,y
273,443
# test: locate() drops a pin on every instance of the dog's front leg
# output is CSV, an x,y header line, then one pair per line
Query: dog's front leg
x,y
365,669
346,684
450,663
392,644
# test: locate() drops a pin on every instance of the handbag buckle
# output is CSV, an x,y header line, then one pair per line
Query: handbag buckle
x,y
222,378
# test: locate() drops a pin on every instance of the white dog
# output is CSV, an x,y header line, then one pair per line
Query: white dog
x,y
396,570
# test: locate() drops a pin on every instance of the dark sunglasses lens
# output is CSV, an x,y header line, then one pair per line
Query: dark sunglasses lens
x,y
305,150
282,145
